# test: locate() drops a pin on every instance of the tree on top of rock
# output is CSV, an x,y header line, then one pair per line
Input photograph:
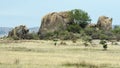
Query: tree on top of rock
x,y
79,17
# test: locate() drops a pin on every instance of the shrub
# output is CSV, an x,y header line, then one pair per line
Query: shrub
x,y
87,39
75,28
46,36
96,34
55,42
63,43
82,64
15,38
85,44
63,35
104,43
108,35
118,37
33,36
89,31
116,30
103,37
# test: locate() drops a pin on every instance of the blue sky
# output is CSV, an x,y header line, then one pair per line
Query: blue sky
x,y
30,12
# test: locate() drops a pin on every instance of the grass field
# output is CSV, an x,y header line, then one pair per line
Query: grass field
x,y
43,54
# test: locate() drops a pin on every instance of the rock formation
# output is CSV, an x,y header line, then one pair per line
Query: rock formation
x,y
60,21
54,22
19,32
104,23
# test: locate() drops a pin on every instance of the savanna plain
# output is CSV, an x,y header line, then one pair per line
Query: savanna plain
x,y
44,54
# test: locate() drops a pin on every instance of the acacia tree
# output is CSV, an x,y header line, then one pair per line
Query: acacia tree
x,y
79,17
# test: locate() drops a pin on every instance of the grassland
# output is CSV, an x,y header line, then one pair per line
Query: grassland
x,y
43,54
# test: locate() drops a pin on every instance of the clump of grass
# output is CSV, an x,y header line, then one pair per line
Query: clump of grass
x,y
0,63
63,43
17,61
116,43
81,64
20,49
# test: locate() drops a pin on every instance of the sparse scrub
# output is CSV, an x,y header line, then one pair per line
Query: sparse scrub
x,y
86,44
24,49
87,39
63,43
89,31
116,43
30,54
81,64
103,37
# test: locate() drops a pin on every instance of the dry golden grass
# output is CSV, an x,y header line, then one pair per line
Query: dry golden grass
x,y
43,54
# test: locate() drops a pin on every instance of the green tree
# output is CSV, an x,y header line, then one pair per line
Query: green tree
x,y
80,17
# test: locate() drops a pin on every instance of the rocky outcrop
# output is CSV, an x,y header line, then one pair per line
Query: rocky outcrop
x,y
54,22
104,23
59,21
19,32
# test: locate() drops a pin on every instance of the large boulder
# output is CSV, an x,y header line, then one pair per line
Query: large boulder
x,y
19,32
104,23
54,22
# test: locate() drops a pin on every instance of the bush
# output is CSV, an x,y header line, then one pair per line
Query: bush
x,y
63,35
75,28
89,31
96,34
116,30
46,36
104,43
33,36
15,38
118,37
63,43
87,38
104,37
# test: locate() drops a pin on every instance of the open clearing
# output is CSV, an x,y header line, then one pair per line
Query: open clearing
x,y
43,54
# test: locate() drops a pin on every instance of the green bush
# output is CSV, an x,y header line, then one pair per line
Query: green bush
x,y
33,36
87,38
63,35
104,43
96,34
15,38
47,36
75,28
104,37
116,30
89,31
118,37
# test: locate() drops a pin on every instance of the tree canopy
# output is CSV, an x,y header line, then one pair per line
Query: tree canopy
x,y
79,17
